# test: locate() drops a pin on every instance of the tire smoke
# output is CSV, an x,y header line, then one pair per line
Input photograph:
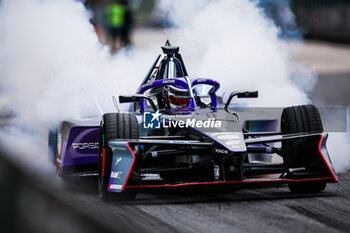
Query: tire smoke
x,y
339,147
233,42
53,66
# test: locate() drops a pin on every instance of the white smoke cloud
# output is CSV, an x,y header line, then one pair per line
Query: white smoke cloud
x,y
338,145
52,65
233,42
53,68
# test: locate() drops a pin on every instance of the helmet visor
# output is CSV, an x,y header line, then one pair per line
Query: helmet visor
x,y
179,101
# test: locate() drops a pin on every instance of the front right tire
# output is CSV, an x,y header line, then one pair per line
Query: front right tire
x,y
300,119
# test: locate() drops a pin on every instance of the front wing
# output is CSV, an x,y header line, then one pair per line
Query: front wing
x,y
124,159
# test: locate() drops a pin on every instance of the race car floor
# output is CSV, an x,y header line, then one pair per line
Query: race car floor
x,y
241,210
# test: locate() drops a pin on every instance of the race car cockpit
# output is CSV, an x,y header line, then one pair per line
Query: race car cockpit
x,y
167,85
170,67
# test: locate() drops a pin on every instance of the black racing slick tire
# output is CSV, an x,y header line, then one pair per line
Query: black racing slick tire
x,y
300,119
114,126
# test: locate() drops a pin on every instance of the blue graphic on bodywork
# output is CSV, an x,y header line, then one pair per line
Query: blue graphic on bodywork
x,y
122,163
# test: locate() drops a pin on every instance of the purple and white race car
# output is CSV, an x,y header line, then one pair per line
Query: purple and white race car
x,y
174,137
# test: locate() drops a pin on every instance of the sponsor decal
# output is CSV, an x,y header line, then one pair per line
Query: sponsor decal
x,y
116,175
59,143
168,81
216,172
297,169
117,161
150,176
115,186
221,151
85,145
152,120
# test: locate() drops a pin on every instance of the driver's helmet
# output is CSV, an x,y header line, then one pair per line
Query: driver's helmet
x,y
176,97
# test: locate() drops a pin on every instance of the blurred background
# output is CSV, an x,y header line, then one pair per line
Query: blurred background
x,y
311,19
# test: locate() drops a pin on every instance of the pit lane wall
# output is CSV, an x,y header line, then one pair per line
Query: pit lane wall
x,y
32,201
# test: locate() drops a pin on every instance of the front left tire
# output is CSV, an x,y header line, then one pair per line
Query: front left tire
x,y
114,126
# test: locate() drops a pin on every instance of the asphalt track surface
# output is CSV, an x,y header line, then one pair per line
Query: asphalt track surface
x,y
272,209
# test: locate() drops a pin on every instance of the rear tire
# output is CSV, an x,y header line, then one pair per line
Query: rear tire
x,y
300,119
114,126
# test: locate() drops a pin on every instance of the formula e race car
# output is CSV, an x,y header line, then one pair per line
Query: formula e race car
x,y
175,137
